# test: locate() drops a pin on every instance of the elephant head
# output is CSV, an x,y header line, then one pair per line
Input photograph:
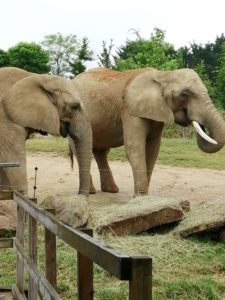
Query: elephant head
x,y
178,96
49,104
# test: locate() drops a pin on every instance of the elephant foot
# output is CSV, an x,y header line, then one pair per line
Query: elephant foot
x,y
92,190
110,188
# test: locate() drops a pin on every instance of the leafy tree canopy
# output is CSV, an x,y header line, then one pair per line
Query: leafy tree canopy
x,y
106,54
67,54
154,52
30,57
4,59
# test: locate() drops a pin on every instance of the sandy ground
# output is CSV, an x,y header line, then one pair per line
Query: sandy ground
x,y
56,178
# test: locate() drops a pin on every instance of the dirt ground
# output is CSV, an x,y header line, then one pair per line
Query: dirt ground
x,y
56,178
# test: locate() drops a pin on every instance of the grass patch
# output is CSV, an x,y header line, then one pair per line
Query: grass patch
x,y
49,144
186,269
175,152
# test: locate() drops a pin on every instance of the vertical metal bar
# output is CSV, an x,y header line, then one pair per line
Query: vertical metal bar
x,y
50,255
20,238
85,274
32,228
140,284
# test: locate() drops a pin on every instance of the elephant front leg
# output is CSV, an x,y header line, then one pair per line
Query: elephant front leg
x,y
135,132
106,177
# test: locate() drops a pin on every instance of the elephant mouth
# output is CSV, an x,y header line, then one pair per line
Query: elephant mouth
x,y
202,132
64,128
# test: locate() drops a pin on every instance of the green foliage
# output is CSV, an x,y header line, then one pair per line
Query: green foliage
x,y
209,54
4,59
67,54
220,81
200,69
155,52
83,54
30,57
104,58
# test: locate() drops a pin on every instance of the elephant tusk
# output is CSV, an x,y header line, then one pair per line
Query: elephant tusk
x,y
202,133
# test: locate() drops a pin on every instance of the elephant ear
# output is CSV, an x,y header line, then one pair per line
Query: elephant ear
x,y
32,102
143,98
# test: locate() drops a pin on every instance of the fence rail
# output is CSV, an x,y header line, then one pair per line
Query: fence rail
x,y
136,270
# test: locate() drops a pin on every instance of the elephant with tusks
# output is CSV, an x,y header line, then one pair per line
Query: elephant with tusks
x,y
132,107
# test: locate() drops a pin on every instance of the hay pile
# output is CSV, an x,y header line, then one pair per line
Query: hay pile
x,y
138,214
72,210
208,216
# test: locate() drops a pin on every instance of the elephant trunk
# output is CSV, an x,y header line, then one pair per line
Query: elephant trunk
x,y
215,126
80,139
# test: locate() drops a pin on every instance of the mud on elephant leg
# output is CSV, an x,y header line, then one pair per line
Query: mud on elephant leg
x,y
106,177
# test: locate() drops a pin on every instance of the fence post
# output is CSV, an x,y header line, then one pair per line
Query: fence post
x,y
85,274
140,284
32,229
19,259
50,255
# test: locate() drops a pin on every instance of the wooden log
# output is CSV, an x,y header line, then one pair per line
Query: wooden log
x,y
85,288
141,214
20,239
6,243
6,195
50,255
32,229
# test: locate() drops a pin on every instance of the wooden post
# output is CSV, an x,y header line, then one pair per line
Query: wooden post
x,y
50,255
140,284
85,274
32,229
19,260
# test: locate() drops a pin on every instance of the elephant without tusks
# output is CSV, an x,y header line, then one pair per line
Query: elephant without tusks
x,y
131,108
40,103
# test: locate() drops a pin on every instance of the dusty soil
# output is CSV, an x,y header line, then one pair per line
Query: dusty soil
x,y
56,178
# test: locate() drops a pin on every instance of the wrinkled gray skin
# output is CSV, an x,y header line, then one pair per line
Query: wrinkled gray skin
x,y
40,103
131,108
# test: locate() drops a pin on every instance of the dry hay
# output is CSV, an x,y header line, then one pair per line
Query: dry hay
x,y
72,210
172,256
138,214
208,216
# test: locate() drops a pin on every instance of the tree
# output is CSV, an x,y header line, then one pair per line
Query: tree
x,y
30,57
154,52
105,59
67,54
209,54
200,69
4,59
83,54
220,86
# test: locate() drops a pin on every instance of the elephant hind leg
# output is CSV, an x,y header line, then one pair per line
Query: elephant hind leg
x,y
106,177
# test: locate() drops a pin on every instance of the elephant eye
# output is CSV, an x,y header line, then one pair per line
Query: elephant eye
x,y
75,106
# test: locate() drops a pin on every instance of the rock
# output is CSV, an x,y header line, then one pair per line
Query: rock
x,y
206,217
8,214
73,211
142,213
